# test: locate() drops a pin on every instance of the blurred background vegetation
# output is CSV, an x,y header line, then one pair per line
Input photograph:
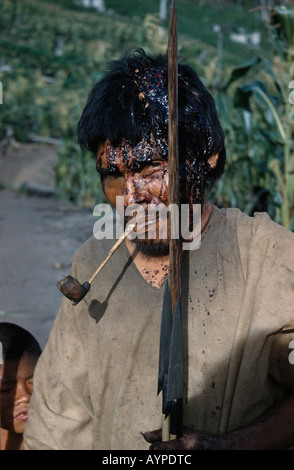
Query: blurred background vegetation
x,y
53,52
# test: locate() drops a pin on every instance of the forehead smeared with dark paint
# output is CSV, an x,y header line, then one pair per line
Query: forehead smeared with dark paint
x,y
131,156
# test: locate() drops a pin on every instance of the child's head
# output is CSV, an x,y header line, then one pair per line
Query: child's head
x,y
20,352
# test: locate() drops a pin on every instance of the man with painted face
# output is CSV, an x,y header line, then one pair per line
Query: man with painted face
x,y
96,382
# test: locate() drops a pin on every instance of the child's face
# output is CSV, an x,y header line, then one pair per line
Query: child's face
x,y
16,382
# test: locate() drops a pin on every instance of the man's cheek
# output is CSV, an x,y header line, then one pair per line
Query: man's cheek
x,y
112,188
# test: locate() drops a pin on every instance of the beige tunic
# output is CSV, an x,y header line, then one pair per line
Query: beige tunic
x,y
95,385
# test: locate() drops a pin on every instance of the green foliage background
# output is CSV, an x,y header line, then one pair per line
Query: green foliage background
x,y
53,52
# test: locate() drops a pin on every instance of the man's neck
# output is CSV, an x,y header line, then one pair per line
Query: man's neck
x,y
154,268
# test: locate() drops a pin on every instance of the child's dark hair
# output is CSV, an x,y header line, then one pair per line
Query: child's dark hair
x,y
130,102
16,341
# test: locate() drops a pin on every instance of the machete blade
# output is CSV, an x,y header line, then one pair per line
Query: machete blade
x,y
174,389
165,339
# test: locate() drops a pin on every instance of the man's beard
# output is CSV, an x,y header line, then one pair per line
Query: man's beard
x,y
151,241
152,247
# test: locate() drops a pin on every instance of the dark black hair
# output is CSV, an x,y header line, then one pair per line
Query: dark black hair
x,y
130,102
16,341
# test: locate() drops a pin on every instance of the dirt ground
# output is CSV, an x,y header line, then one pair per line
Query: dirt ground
x,y
39,236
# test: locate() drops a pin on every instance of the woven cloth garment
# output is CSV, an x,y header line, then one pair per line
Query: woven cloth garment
x,y
95,386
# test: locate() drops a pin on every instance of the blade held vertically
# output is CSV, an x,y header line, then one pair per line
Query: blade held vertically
x,y
174,387
165,339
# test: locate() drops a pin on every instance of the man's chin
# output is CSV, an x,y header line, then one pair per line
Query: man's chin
x,y
152,247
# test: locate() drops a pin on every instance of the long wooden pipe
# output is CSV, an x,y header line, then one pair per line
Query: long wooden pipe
x,y
71,288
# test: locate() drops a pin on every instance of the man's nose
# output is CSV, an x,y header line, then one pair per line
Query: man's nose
x,y
136,190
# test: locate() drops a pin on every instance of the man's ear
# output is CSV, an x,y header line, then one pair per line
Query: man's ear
x,y
212,161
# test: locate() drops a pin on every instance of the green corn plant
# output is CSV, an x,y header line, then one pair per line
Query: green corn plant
x,y
283,21
76,177
268,118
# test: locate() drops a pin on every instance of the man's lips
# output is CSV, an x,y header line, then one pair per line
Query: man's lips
x,y
21,415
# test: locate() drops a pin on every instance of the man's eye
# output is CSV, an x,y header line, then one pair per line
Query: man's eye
x,y
157,165
109,173
111,176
